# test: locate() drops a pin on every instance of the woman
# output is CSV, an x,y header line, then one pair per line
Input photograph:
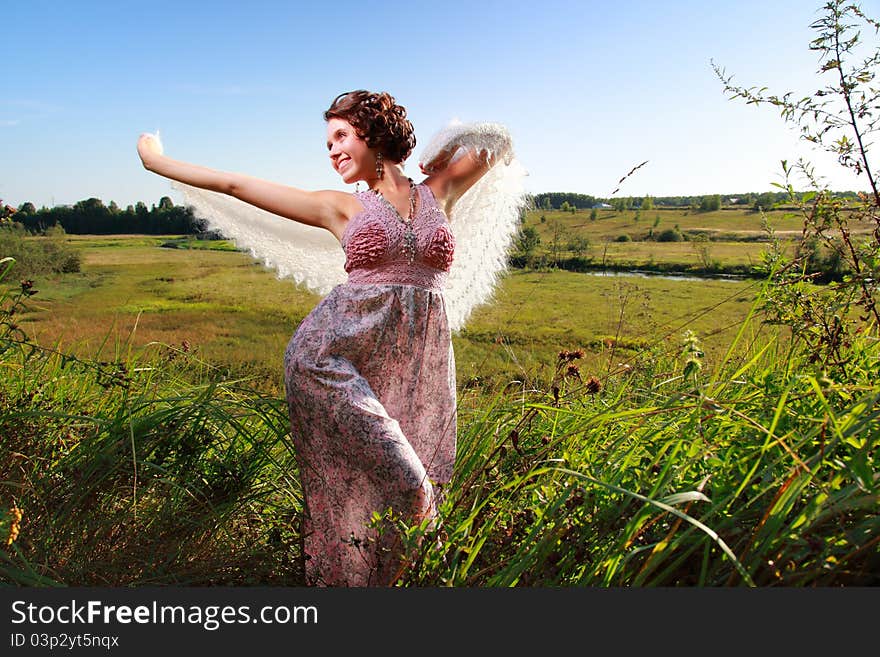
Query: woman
x,y
370,373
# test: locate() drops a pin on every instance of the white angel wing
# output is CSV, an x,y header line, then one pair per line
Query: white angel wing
x,y
484,221
310,256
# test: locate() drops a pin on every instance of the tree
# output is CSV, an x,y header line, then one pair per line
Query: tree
x,y
89,216
527,240
702,247
27,208
556,240
764,201
579,246
710,203
839,117
621,204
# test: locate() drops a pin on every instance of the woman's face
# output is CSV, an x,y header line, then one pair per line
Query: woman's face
x,y
349,155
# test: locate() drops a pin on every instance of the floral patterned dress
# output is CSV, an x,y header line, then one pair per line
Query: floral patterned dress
x,y
370,377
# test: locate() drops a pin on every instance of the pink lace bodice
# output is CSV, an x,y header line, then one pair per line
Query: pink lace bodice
x,y
373,243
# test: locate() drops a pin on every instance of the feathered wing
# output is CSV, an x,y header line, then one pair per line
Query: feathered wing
x,y
310,256
485,219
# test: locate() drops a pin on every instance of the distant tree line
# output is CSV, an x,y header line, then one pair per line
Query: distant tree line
x,y
554,200
704,203
92,217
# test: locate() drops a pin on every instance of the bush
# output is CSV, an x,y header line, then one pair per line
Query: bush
x,y
670,235
38,255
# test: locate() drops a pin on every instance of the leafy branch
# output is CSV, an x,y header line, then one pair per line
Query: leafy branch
x,y
840,241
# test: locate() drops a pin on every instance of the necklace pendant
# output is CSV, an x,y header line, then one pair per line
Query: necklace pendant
x,y
409,244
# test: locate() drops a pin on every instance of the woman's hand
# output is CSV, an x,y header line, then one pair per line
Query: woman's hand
x,y
440,162
149,148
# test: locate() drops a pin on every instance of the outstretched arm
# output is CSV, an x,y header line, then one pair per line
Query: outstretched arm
x,y
325,209
459,155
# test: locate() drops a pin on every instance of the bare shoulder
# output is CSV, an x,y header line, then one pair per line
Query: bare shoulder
x,y
345,204
339,207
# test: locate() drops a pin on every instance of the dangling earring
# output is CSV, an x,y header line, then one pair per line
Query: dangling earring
x,y
380,168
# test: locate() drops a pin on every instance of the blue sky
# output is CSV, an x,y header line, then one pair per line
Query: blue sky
x,y
588,89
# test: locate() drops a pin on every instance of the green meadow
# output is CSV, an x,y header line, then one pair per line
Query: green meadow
x,y
237,316
134,291
614,430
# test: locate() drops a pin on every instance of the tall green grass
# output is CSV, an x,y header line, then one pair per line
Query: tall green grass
x,y
755,469
148,469
761,472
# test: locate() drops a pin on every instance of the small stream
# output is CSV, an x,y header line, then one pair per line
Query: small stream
x,y
729,278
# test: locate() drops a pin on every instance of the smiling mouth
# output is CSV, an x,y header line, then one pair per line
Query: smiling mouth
x,y
341,163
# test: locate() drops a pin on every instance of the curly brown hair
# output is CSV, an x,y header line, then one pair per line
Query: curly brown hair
x,y
378,120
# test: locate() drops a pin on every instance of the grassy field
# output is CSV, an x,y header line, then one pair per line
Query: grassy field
x,y
727,238
236,315
616,320
736,461
131,293
736,223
